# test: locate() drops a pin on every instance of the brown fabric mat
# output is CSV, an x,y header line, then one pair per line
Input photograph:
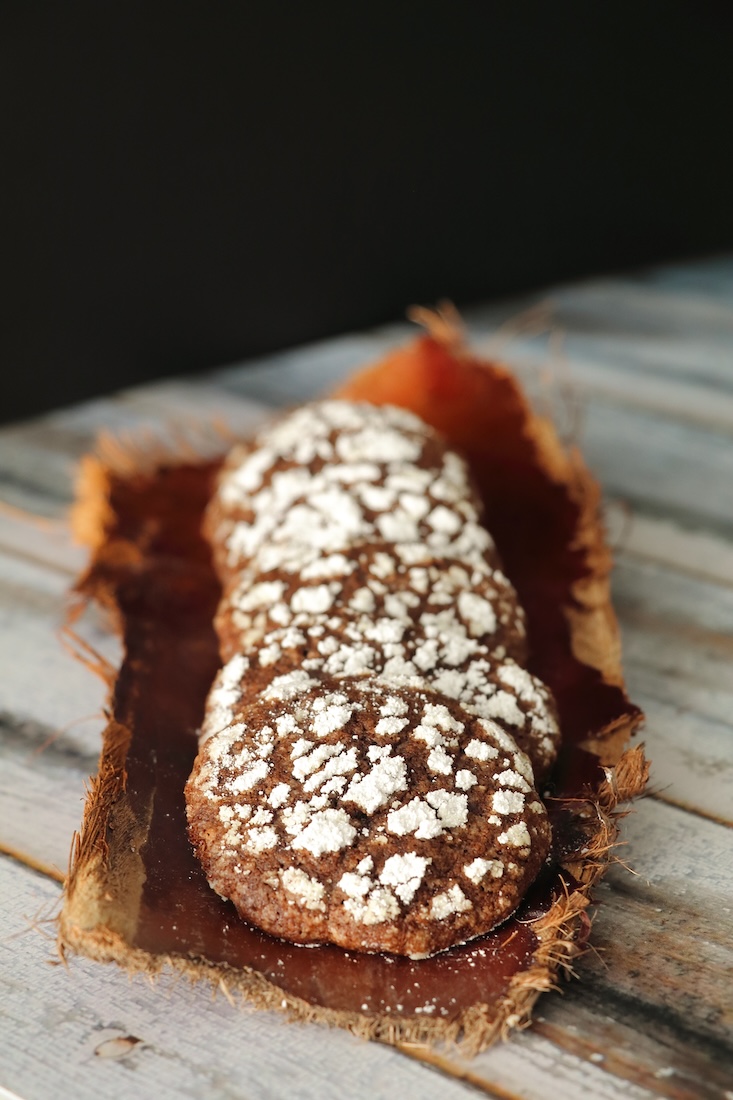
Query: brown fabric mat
x,y
135,893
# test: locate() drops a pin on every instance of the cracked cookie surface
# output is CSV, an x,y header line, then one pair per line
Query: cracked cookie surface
x,y
377,818
371,748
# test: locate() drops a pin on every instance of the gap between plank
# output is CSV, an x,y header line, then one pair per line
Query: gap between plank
x,y
444,1065
689,571
36,559
46,869
660,796
614,1063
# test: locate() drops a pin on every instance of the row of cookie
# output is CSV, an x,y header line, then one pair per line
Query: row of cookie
x,y
361,778
376,818
334,476
367,603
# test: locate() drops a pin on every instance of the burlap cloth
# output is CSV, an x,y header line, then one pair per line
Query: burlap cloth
x,y
135,894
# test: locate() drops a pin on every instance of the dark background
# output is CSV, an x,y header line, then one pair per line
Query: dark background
x,y
185,184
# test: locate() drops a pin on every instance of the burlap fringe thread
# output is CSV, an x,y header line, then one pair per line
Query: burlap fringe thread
x,y
562,932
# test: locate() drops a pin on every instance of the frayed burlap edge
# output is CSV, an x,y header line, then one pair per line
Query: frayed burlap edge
x,y
92,923
594,633
97,915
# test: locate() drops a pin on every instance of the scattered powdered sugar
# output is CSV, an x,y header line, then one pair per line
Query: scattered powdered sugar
x,y
373,901
248,777
381,906
312,600
355,885
514,779
438,715
328,831
404,873
478,613
259,840
386,727
449,902
387,777
428,818
331,565
414,817
516,836
224,696
307,891
392,445
507,802
278,795
439,761
290,685
361,561
481,750
311,761
465,779
452,808
479,868
503,706
332,718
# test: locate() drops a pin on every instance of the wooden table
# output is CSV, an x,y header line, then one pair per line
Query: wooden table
x,y
645,382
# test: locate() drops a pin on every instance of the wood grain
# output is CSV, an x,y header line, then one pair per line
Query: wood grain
x,y
649,361
188,1043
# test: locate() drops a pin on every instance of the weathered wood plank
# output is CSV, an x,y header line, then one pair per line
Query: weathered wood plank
x,y
534,1067
700,360
66,1031
642,454
51,712
691,756
661,466
678,645
190,1044
679,601
625,385
62,797
50,715
685,690
47,542
53,815
673,849
653,362
648,443
598,376
634,534
42,681
42,790
634,309
296,375
662,542
582,1060
654,1003
155,406
32,479
711,277
38,458
665,934
677,633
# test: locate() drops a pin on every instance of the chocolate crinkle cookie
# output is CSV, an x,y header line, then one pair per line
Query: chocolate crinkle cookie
x,y
378,818
371,748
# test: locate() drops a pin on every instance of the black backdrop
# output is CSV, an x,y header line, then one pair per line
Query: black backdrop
x,y
187,184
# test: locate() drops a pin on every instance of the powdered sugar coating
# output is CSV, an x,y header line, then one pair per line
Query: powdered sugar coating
x,y
433,653
361,778
334,475
363,817
225,695
469,608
